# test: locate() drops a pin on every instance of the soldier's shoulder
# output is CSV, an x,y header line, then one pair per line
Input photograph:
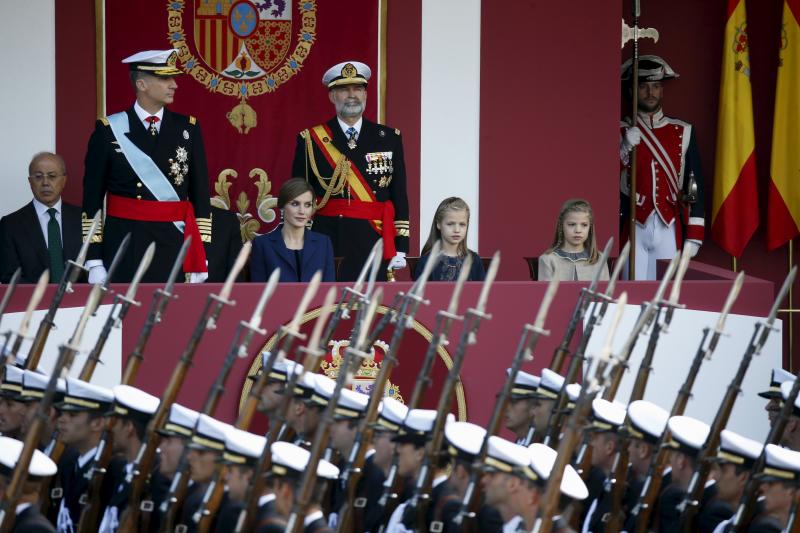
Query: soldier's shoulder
x,y
184,120
677,122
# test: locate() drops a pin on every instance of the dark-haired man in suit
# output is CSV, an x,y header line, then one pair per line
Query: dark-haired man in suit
x,y
45,232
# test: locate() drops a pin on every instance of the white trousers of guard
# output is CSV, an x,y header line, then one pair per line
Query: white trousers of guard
x,y
654,240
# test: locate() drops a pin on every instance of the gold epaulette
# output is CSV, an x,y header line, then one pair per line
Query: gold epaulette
x,y
104,120
204,225
86,226
192,120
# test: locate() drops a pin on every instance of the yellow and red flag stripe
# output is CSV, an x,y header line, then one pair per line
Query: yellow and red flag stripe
x,y
735,199
783,219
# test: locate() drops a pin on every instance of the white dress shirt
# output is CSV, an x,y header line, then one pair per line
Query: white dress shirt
x,y
143,116
345,126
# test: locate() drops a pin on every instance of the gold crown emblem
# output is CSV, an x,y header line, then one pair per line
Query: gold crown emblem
x,y
367,372
172,60
349,71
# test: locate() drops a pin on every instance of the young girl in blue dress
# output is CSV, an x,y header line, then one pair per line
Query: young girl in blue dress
x,y
450,225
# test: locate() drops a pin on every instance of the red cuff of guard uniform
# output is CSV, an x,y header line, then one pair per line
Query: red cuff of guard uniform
x,y
155,211
383,211
696,228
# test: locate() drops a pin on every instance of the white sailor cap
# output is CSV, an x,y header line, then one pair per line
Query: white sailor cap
x,y
391,414
781,464
786,388
160,63
83,396
35,383
280,370
347,73
304,386
646,421
11,386
180,423
352,405
549,385
41,466
417,427
651,68
505,456
542,460
779,377
687,434
464,440
606,416
741,451
130,402
242,447
525,385
290,460
323,390
209,434
573,392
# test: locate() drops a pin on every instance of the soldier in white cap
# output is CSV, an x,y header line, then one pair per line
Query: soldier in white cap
x,y
734,462
545,396
668,210
27,519
275,387
34,385
80,426
778,377
149,165
133,409
791,433
289,462
302,418
391,413
779,480
358,173
518,415
12,411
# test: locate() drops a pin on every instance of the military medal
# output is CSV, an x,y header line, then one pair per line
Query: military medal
x,y
351,143
178,167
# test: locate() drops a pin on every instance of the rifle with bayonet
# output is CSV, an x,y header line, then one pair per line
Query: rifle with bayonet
x,y
22,332
143,464
444,321
12,286
598,311
238,349
353,467
747,505
417,505
68,278
356,352
691,503
527,342
573,429
616,482
32,438
584,298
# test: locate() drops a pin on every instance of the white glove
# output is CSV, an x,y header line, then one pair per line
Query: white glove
x,y
97,272
692,246
632,138
196,277
398,261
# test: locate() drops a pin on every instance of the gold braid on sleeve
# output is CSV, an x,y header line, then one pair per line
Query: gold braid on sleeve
x,y
333,185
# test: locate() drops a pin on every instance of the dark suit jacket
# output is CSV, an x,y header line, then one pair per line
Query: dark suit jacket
x,y
270,252
226,242
31,521
22,243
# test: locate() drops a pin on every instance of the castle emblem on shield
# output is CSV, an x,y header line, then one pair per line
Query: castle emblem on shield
x,y
242,48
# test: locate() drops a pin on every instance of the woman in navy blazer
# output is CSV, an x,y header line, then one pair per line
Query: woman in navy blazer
x,y
298,252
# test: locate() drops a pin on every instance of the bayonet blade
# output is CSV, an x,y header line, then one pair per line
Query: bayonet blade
x,y
144,264
311,290
177,266
787,284
266,294
678,281
377,249
552,287
376,265
600,262
12,285
487,284
123,246
418,288
36,297
729,301
91,303
81,259
618,266
241,260
452,308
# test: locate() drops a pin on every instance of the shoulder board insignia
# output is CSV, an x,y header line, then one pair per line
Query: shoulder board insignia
x,y
397,131
104,120
192,120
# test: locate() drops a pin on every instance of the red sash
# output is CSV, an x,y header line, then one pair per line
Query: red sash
x,y
383,211
155,211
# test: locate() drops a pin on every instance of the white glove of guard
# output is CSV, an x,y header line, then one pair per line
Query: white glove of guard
x,y
398,261
97,272
196,277
692,246
633,136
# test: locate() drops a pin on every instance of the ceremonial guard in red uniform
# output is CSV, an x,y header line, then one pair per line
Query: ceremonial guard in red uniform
x,y
150,166
669,203
358,173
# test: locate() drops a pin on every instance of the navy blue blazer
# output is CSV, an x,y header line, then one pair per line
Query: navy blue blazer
x,y
270,252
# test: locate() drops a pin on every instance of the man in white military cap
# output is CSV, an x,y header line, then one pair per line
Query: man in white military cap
x,y
133,408
289,463
773,394
149,165
687,437
391,414
27,519
12,411
34,385
734,463
669,211
545,396
790,438
315,403
358,173
273,392
80,426
518,415
779,480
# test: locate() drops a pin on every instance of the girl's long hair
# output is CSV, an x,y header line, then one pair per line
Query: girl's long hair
x,y
453,203
576,205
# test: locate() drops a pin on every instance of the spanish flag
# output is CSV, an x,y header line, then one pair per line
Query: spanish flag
x,y
783,219
735,201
